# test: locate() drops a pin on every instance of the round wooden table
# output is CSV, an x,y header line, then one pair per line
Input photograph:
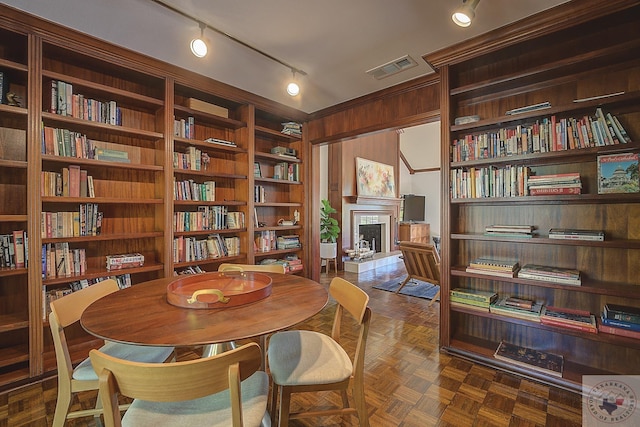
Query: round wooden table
x,y
141,314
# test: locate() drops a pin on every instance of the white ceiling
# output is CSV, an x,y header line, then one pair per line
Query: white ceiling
x,y
334,41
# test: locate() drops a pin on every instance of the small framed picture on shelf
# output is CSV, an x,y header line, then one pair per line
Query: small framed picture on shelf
x,y
257,172
618,173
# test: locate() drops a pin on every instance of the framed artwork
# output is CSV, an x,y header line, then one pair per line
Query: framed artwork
x,y
374,179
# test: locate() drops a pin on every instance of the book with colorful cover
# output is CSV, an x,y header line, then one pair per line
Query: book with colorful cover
x,y
618,173
537,360
622,312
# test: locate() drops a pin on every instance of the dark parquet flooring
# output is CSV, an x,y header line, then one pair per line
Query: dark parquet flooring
x,y
408,381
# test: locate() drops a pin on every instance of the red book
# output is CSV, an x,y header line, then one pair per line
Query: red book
x,y
606,329
562,324
553,191
18,248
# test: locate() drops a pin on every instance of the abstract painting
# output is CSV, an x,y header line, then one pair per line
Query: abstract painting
x,y
374,179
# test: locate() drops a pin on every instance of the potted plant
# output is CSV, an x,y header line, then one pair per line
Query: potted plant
x,y
329,230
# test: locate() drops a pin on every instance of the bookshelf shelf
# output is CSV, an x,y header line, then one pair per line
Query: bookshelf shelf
x,y
81,125
561,66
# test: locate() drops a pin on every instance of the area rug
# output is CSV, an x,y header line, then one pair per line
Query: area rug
x,y
414,288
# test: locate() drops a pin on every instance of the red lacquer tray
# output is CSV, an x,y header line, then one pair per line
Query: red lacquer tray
x,y
218,289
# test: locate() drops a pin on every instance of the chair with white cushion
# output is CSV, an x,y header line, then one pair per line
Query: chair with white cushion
x,y
305,361
223,390
67,311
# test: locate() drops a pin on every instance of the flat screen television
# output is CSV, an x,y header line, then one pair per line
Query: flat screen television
x,y
413,208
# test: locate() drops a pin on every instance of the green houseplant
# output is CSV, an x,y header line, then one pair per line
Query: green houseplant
x,y
329,228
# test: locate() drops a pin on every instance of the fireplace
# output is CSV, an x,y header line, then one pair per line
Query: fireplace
x,y
374,226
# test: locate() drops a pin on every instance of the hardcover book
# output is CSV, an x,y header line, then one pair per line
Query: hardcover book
x,y
618,173
622,312
568,317
540,361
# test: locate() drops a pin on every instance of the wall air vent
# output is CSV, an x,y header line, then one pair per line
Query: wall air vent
x,y
393,67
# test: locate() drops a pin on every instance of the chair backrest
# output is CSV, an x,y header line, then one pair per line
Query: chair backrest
x,y
421,261
66,311
354,300
176,381
267,268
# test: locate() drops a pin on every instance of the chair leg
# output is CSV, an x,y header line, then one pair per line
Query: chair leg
x,y
361,406
62,409
285,401
403,283
273,402
435,297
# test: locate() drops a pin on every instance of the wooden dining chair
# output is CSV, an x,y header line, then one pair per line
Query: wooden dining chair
x,y
223,390
305,361
267,268
422,263
67,311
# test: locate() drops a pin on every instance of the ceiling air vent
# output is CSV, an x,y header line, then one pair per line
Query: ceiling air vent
x,y
393,67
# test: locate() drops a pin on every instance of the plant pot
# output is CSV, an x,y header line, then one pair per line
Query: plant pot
x,y
328,250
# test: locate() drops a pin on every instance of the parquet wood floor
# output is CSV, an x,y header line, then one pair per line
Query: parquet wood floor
x,y
408,381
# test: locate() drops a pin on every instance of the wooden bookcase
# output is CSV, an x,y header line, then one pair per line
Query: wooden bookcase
x,y
579,60
278,183
135,196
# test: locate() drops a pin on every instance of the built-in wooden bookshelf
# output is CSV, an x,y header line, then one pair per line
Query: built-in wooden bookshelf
x,y
590,57
132,181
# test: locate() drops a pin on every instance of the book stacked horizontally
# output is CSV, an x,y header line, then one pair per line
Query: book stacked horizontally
x,y
580,320
544,273
472,299
541,361
576,234
517,307
620,320
494,266
560,183
523,231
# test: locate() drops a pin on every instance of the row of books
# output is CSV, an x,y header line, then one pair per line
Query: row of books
x,y
187,249
291,263
123,280
265,241
546,135
620,320
191,190
259,195
528,231
86,221
14,249
65,143
504,267
71,181
59,260
286,171
562,183
184,128
192,159
471,183
66,103
208,218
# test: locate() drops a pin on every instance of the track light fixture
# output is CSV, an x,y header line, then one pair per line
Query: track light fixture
x,y
292,88
198,46
465,13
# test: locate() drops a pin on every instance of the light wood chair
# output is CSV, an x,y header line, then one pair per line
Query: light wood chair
x,y
267,268
422,262
223,390
67,311
305,361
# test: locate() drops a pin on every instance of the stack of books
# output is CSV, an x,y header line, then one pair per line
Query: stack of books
x,y
620,320
472,299
518,308
494,267
544,273
560,183
537,360
580,320
576,234
525,231
288,242
292,128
